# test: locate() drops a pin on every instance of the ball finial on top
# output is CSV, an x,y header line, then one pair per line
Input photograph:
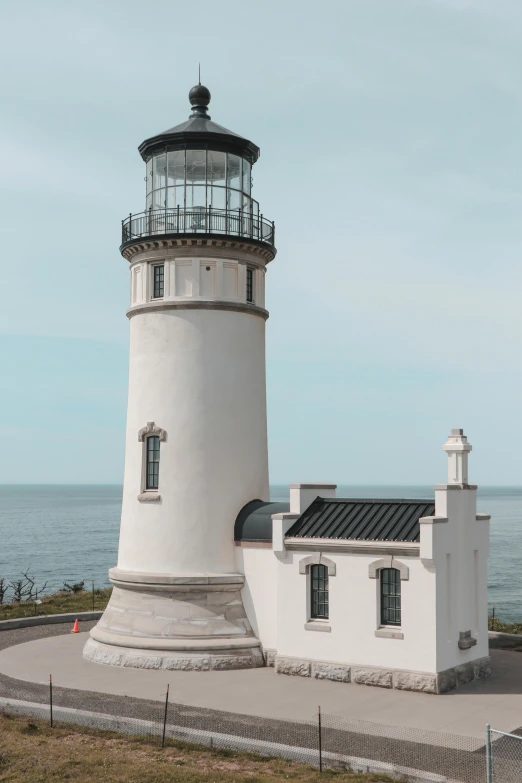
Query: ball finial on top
x,y
199,96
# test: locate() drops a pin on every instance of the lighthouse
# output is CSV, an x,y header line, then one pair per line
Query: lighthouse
x,y
196,437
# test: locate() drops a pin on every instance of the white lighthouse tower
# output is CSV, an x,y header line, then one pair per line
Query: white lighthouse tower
x,y
196,441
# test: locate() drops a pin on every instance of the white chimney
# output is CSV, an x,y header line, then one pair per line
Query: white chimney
x,y
302,495
457,448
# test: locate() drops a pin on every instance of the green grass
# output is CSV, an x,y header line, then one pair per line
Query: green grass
x,y
32,752
58,603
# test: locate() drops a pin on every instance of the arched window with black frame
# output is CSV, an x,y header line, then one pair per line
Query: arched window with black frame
x,y
319,592
153,458
390,579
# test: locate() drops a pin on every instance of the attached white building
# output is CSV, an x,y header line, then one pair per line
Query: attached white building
x,y
389,593
379,592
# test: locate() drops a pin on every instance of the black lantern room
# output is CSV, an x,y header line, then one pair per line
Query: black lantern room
x,y
199,181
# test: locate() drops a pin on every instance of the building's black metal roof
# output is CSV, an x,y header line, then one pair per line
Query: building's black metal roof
x,y
199,132
254,521
362,519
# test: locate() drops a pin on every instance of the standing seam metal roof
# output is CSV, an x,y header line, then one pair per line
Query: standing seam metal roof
x,y
362,519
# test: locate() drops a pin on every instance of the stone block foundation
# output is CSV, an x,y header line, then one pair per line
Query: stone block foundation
x,y
384,678
161,621
111,655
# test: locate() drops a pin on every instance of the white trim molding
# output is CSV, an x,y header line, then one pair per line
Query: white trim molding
x,y
388,562
151,429
306,562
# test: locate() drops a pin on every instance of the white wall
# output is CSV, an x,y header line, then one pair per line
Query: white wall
x,y
199,375
446,594
462,603
192,277
354,615
260,591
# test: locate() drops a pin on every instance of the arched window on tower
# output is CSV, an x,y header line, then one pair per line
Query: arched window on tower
x,y
153,457
390,579
319,592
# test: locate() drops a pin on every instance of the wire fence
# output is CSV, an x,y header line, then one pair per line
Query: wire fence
x,y
325,741
503,756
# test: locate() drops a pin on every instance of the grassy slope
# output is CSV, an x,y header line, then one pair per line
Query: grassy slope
x,y
58,603
31,752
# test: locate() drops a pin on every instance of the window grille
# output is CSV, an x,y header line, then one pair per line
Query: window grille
x,y
159,277
390,596
249,285
319,588
153,456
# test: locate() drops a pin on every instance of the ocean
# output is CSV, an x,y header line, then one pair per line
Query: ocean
x,y
70,533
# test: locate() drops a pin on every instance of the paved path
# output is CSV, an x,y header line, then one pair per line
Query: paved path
x,y
263,693
393,727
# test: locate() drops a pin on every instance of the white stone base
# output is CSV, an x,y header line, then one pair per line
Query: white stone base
x,y
110,655
385,678
195,622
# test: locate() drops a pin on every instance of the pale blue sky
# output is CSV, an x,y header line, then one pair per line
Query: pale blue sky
x,y
390,135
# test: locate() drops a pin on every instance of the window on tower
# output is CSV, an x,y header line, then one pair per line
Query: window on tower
x,y
249,285
153,457
159,281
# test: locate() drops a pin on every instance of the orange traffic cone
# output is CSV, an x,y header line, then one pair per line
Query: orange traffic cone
x,y
75,628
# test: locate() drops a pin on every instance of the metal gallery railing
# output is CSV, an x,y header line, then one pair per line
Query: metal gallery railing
x,y
198,220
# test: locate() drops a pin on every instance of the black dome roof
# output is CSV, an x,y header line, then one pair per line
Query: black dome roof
x,y
199,132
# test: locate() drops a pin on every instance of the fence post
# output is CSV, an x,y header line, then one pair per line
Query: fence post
x,y
165,717
489,756
51,697
93,595
320,740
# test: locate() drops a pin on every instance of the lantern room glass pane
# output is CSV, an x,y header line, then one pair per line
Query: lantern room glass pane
x,y
234,172
148,176
196,166
217,197
176,168
195,196
234,199
247,176
158,199
159,171
217,168
175,197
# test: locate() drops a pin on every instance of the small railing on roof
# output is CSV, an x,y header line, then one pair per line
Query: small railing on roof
x,y
197,220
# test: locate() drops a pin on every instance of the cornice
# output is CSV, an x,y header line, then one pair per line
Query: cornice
x,y
197,304
251,248
400,548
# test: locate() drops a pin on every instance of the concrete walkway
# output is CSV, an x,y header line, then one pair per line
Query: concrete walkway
x,y
263,693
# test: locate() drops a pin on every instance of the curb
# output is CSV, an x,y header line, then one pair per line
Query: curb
x,y
502,635
212,739
47,619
